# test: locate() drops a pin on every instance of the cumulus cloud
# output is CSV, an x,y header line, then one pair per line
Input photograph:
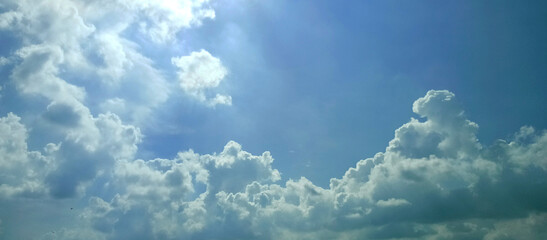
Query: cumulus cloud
x,y
78,67
80,162
435,180
21,171
166,192
73,154
60,168
165,18
69,46
199,73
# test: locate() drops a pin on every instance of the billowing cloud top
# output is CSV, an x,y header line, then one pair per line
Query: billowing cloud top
x,y
81,91
435,180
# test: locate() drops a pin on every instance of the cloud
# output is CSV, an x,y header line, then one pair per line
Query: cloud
x,y
164,194
4,61
164,19
21,171
447,133
62,114
72,157
81,68
531,227
199,73
8,18
74,49
37,74
60,169
417,188
78,162
392,202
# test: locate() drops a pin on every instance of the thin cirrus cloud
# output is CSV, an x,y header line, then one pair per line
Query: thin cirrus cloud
x,y
97,91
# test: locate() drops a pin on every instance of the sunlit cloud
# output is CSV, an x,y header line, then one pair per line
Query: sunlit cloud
x,y
82,89
417,187
198,73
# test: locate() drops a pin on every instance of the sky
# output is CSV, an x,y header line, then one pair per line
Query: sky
x,y
260,119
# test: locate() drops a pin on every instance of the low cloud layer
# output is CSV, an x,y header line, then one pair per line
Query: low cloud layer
x,y
435,180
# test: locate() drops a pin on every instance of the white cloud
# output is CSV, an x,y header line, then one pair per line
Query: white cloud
x,y
62,169
392,202
199,73
114,105
7,19
163,19
72,54
528,149
165,191
4,61
434,180
446,133
64,45
419,192
37,74
84,155
417,188
68,46
21,171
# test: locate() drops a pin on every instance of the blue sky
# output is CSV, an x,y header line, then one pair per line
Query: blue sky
x,y
272,119
340,79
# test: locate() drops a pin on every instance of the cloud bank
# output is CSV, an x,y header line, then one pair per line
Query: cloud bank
x,y
80,87
435,180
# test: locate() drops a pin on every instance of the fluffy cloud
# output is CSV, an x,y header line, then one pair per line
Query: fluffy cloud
x,y
164,194
165,18
60,168
72,49
90,143
420,187
199,73
21,171
71,156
